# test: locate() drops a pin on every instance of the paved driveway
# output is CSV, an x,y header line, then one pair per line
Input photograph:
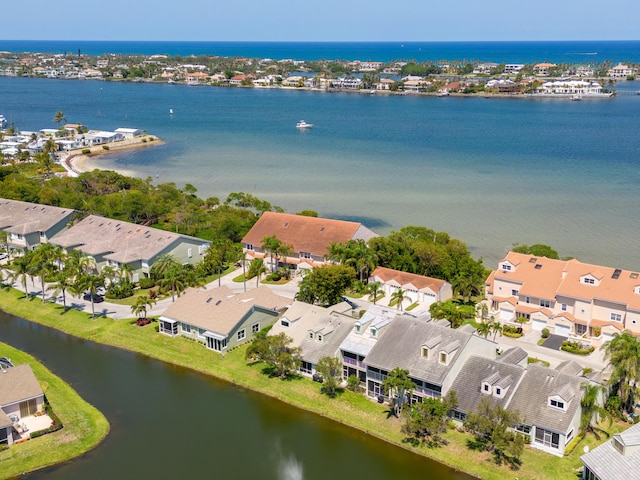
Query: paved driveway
x,y
554,342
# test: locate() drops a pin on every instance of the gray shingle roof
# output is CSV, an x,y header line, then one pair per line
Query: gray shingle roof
x,y
468,383
18,384
531,399
401,346
24,217
609,464
514,356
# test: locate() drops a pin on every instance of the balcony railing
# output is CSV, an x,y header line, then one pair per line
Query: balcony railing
x,y
351,361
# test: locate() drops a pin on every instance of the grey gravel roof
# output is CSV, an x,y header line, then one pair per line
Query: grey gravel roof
x,y
514,356
18,384
531,399
468,383
609,464
401,346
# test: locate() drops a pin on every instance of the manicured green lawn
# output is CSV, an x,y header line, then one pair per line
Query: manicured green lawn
x,y
84,426
349,408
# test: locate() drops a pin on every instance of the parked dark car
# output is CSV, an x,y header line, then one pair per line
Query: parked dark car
x,y
96,298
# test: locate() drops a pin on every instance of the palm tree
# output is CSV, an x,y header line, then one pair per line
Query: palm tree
x,y
256,269
163,264
20,271
45,163
173,280
139,308
50,147
398,384
373,288
59,117
63,280
592,410
4,239
91,283
42,263
398,296
623,353
274,246
484,329
126,273
496,328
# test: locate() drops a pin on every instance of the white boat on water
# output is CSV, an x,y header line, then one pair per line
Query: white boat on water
x,y
303,125
576,97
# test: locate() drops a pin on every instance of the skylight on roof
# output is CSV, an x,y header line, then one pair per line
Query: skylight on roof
x,y
616,274
633,275
538,266
533,260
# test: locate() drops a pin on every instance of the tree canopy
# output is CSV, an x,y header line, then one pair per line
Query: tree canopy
x,y
326,285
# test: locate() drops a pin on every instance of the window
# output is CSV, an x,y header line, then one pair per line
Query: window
x,y
306,367
443,357
249,246
311,335
556,404
486,388
190,252
358,326
498,391
241,334
580,329
425,352
305,255
186,328
616,317
545,303
319,337
527,299
255,328
201,332
563,307
526,429
284,323
514,293
374,331
547,438
506,266
589,281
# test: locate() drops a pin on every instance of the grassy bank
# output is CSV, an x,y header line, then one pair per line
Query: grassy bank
x,y
349,408
84,426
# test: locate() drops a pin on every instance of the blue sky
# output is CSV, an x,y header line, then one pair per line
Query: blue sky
x,y
324,20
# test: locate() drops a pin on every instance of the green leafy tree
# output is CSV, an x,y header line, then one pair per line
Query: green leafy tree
x,y
399,388
326,285
427,421
330,368
538,250
492,426
484,329
173,280
276,351
623,354
59,117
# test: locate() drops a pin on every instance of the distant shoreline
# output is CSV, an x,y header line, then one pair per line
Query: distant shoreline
x,y
75,161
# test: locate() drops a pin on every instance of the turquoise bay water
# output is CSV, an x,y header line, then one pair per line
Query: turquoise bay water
x,y
489,171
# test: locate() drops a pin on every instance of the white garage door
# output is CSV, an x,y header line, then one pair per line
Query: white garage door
x,y
562,330
506,314
538,325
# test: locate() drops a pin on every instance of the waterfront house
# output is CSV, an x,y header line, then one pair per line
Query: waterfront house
x,y
129,133
513,68
417,288
220,319
364,335
318,331
20,396
543,68
548,402
30,224
615,459
309,237
495,379
484,68
621,70
570,298
570,87
116,242
432,353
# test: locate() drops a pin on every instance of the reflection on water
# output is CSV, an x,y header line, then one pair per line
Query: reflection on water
x,y
290,468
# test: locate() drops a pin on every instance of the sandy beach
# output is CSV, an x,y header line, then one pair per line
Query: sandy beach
x,y
75,160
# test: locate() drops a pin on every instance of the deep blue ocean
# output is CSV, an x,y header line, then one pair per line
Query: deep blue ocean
x,y
571,52
492,172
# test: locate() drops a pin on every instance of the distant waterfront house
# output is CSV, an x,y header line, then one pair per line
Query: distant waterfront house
x,y
621,70
318,331
101,137
616,459
30,224
513,68
417,288
573,299
129,133
116,242
484,68
20,396
543,68
571,87
432,352
309,237
220,319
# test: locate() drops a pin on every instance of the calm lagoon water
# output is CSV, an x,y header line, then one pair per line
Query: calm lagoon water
x,y
492,172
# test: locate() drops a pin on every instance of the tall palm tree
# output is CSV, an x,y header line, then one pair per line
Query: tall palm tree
x,y
90,282
398,296
256,269
164,263
20,271
398,384
592,411
139,308
63,280
50,147
373,288
59,117
173,280
484,329
623,353
42,260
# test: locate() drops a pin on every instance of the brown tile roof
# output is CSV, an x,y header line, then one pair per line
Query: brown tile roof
x,y
18,384
219,310
404,278
546,278
24,217
306,234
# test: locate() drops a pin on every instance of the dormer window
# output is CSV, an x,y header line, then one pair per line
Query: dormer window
x,y
556,403
358,327
284,323
444,358
319,338
249,246
506,266
589,281
425,352
486,388
374,331
305,255
311,335
498,391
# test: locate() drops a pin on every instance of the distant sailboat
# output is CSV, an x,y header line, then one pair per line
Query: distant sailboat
x,y
171,111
